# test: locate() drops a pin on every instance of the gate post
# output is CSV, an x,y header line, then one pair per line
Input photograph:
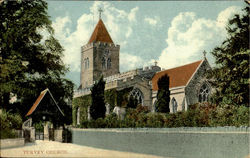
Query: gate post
x,y
46,131
32,134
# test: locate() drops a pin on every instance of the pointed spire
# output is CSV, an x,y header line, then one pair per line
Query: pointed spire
x,y
100,33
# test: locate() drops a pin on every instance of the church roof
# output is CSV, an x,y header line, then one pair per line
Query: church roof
x,y
100,34
39,99
178,76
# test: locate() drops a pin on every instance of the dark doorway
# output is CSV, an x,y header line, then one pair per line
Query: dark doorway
x,y
51,134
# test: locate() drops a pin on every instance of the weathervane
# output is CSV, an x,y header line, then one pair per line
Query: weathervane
x,y
100,13
204,53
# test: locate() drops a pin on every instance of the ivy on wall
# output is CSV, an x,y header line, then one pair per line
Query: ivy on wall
x,y
113,97
83,102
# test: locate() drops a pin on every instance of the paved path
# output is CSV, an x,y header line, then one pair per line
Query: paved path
x,y
57,149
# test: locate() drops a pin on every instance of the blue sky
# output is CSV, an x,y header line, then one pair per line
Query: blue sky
x,y
172,33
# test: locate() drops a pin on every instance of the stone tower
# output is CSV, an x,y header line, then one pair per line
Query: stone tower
x,y
100,56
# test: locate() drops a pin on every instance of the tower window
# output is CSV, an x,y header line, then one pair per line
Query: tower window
x,y
86,63
103,63
109,63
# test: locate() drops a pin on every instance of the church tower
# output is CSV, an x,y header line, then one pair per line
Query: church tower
x,y
100,56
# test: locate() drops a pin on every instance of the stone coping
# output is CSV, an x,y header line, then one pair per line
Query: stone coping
x,y
228,129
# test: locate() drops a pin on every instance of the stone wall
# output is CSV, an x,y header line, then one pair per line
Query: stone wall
x,y
9,143
193,87
87,74
220,142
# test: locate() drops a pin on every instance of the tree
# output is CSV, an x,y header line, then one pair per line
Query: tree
x,y
231,76
163,95
97,108
29,61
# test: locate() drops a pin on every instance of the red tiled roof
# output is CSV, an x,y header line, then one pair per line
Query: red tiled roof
x,y
100,34
178,76
38,100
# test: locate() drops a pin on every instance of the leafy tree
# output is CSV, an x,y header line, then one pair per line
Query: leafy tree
x,y
163,95
29,61
231,76
97,108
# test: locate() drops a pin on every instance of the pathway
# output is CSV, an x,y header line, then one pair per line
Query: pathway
x,y
56,149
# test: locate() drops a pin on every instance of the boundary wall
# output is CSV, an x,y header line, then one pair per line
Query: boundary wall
x,y
195,142
12,142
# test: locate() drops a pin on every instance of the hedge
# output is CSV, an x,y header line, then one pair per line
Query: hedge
x,y
198,115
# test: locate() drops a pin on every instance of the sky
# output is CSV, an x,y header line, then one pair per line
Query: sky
x,y
171,33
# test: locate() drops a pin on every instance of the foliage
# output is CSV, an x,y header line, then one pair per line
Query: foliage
x,y
110,97
198,115
39,125
163,95
231,76
97,108
9,122
29,61
83,102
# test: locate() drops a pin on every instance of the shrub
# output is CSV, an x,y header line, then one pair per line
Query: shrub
x,y
9,122
198,115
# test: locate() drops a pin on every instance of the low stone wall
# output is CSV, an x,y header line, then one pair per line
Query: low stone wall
x,y
12,142
220,142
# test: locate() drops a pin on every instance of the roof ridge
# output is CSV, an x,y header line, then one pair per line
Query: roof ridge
x,y
181,65
179,76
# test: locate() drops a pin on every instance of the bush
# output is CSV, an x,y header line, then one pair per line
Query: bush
x,y
9,122
198,115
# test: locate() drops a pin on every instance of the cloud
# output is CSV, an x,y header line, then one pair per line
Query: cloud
x,y
152,21
189,36
132,14
129,62
226,14
118,23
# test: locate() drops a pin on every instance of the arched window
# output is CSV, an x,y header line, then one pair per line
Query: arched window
x,y
109,63
204,93
84,62
137,94
103,63
87,60
174,105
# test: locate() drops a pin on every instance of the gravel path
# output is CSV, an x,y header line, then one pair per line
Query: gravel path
x,y
57,149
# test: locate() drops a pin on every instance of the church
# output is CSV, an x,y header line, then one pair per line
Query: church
x,y
100,56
